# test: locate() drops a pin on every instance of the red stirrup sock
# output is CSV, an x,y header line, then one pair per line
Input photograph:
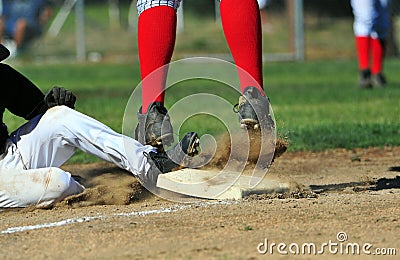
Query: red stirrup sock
x,y
156,42
378,53
242,28
363,51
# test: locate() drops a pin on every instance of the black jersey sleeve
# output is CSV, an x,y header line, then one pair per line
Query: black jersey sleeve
x,y
19,95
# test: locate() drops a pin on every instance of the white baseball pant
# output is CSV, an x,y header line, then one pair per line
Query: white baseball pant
x,y
371,18
29,173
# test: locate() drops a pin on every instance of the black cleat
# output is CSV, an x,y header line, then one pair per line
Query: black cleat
x,y
173,159
378,80
253,109
364,80
154,127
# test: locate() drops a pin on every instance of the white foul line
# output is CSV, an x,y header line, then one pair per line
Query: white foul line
x,y
172,209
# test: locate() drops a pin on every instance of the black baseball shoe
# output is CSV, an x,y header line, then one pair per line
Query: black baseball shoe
x,y
253,109
364,80
174,159
378,80
154,127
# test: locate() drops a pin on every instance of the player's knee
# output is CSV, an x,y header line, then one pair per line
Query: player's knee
x,y
63,183
59,185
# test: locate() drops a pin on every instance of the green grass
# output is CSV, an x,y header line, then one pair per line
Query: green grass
x,y
317,105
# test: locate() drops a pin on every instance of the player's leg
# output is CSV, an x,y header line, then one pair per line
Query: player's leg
x,y
378,42
19,32
27,172
377,55
156,41
70,130
22,187
8,36
242,28
363,11
35,187
1,29
61,131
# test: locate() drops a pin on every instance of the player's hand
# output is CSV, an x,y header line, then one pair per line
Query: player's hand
x,y
58,96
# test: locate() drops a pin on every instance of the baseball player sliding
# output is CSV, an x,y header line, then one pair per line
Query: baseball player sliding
x,y
30,156
156,40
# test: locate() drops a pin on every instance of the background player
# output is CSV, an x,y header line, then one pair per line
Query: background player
x,y
23,20
156,41
29,156
371,27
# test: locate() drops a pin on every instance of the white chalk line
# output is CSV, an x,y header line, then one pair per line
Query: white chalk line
x,y
70,221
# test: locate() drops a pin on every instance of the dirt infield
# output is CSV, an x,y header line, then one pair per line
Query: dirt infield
x,y
343,199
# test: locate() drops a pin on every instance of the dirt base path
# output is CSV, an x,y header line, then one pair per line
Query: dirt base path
x,y
346,200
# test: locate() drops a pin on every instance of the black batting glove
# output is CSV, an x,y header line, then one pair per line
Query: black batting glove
x,y
58,96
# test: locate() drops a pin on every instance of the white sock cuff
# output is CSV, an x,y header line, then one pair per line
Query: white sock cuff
x,y
143,5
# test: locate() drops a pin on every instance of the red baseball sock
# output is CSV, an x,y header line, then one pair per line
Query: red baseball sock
x,y
378,53
156,42
242,28
363,50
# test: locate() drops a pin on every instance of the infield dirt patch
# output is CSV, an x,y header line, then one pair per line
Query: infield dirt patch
x,y
356,192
